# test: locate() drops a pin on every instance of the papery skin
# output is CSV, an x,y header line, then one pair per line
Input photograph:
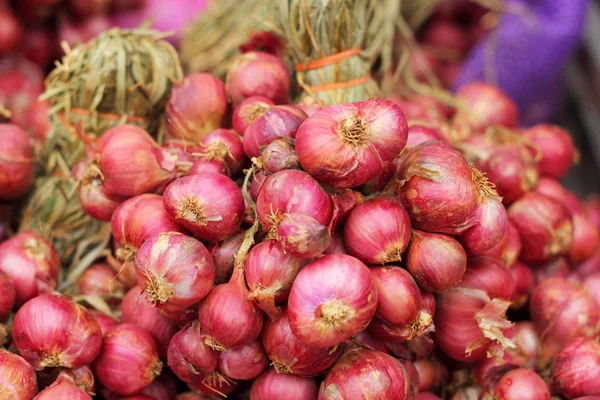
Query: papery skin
x,y
224,145
521,384
17,377
485,105
272,385
16,162
337,288
248,111
63,388
188,353
223,254
7,300
128,361
398,296
302,236
174,270
556,148
576,368
211,206
54,331
244,362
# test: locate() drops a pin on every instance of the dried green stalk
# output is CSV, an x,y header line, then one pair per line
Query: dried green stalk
x,y
211,41
122,76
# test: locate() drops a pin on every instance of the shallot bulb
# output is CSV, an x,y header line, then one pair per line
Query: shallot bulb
x,y
227,317
520,384
94,201
436,261
278,155
105,321
211,206
528,342
344,201
576,369
68,337
545,227
249,111
258,74
524,284
225,146
269,273
558,268
7,300
398,296
418,134
291,192
223,255
509,247
188,353
377,184
128,361
197,106
163,387
471,316
591,209
16,162
485,105
562,311
512,170
551,188
337,245
138,219
365,374
332,299
100,280
17,377
137,310
273,385
431,373
556,147
490,219
277,121
244,362
303,236
592,284
32,263
346,145
289,355
435,184
588,267
174,270
586,240
378,231
63,388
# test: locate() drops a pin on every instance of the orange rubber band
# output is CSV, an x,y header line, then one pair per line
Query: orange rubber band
x,y
340,85
325,61
114,117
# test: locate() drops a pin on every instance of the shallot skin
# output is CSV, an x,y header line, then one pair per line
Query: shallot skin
x,y
521,384
486,105
556,147
17,171
17,377
272,385
576,369
248,111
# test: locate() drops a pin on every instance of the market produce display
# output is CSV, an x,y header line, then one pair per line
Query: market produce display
x,y
315,218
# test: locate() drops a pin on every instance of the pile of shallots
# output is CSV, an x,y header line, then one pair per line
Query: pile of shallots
x,y
375,250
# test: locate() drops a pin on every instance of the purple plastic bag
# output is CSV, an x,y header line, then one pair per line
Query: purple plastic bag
x,y
530,54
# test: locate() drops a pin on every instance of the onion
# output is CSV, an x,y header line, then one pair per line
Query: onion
x,y
63,388
225,146
245,362
573,204
556,147
128,163
520,384
249,111
436,261
470,317
419,347
576,369
294,192
365,374
378,231
398,297
435,184
588,267
211,206
485,105
174,270
558,268
11,33
302,236
213,383
528,342
592,284
512,170
227,317
38,122
277,121
562,311
17,378
337,245
188,354
128,361
223,256
7,300
278,155
100,280
272,385
68,337
82,377
378,183
193,396
16,162
32,263
586,240
309,105
94,201
367,341
105,321
544,225
289,355
551,188
344,201
269,273
203,166
431,373
413,375
591,209
418,134
137,310
21,82
258,74
163,387
416,112
362,136
509,247
137,220
524,284
332,299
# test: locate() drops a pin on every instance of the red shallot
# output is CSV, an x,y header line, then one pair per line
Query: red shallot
x,y
63,388
188,354
225,146
7,300
586,240
244,362
519,384
485,105
398,296
272,385
16,162
17,377
556,147
576,369
249,111
303,236
223,255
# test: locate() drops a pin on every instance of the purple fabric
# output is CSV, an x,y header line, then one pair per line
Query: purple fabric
x,y
529,58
